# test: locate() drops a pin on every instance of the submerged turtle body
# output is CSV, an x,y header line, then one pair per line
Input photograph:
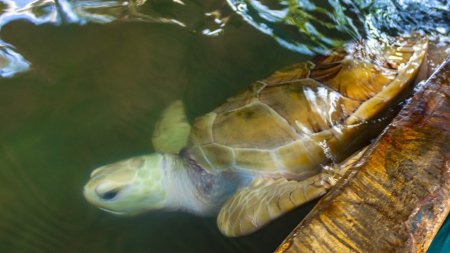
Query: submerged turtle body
x,y
299,118
264,151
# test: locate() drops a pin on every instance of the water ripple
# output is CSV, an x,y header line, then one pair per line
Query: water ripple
x,y
307,27
60,12
303,26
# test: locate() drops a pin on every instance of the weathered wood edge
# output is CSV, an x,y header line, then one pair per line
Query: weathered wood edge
x,y
334,224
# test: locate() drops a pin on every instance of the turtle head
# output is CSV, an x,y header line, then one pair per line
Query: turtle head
x,y
131,186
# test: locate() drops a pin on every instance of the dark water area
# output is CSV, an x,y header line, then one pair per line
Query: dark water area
x,y
92,97
82,89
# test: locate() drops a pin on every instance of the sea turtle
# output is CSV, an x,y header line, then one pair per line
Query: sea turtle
x,y
264,152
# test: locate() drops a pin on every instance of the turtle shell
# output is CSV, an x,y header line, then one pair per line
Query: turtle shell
x,y
305,115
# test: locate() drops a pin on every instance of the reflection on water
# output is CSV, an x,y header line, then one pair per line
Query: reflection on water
x,y
303,26
10,61
92,95
316,26
58,12
80,11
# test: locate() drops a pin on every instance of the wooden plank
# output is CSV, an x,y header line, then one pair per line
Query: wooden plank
x,y
398,195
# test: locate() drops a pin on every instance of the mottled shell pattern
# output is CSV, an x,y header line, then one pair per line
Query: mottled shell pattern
x,y
298,118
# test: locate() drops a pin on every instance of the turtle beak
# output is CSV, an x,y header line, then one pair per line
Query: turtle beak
x,y
97,197
96,171
110,211
128,187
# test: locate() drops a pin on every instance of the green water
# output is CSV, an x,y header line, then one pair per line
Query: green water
x,y
91,97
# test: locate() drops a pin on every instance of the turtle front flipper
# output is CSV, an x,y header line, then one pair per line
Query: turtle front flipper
x,y
265,199
172,129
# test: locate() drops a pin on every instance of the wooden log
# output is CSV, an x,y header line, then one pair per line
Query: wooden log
x,y
398,195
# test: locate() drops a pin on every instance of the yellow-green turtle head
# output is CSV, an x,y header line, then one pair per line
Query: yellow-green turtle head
x,y
131,186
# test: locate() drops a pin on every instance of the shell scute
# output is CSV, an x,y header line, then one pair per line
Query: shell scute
x,y
309,106
253,159
221,156
295,72
354,79
202,127
200,157
235,102
252,126
296,155
310,113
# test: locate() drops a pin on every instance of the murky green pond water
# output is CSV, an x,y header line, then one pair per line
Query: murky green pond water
x,y
90,97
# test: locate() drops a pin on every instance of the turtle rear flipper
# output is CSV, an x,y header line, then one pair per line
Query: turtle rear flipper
x,y
265,199
172,129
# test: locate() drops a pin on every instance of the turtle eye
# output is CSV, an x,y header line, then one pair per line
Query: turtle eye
x,y
109,195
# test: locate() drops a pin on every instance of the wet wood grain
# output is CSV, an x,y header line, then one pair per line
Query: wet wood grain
x,y
398,195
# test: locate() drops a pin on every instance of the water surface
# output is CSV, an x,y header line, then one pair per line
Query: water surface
x,y
89,85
